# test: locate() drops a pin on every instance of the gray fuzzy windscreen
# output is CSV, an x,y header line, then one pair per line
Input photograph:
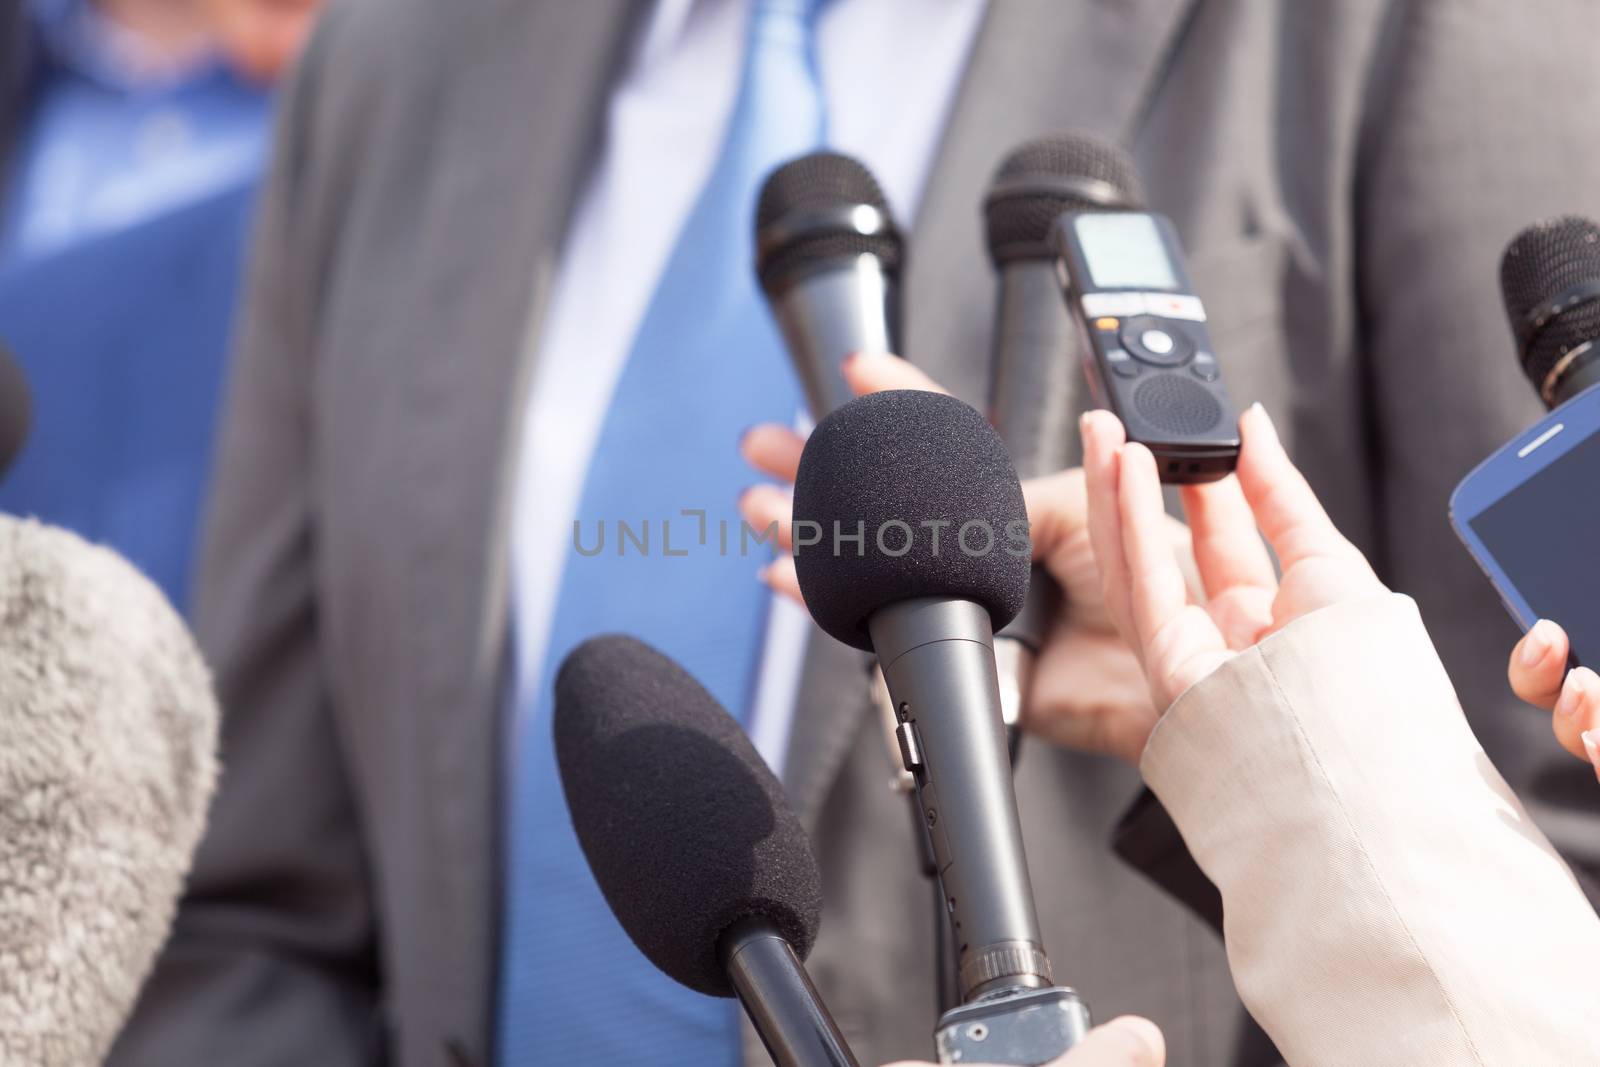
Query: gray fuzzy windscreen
x,y
686,830
927,484
108,736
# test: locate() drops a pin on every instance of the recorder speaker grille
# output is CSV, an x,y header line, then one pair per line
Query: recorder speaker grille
x,y
1173,403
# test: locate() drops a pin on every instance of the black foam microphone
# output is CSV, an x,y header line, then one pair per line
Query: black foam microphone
x,y
16,408
1550,280
911,542
828,256
1036,351
692,842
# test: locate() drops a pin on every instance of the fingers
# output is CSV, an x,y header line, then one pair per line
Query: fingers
x,y
773,450
1103,437
1285,508
769,507
1227,545
780,576
1158,594
877,372
1539,664
1126,1041
1577,712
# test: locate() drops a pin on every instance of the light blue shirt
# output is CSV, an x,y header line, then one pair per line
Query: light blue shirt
x,y
106,146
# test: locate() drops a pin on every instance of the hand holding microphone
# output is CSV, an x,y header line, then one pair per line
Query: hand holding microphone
x,y
1087,692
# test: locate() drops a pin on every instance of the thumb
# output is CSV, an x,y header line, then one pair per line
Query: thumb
x,y
1126,1041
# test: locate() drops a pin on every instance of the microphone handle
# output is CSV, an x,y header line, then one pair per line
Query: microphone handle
x,y
1036,361
777,994
937,656
851,304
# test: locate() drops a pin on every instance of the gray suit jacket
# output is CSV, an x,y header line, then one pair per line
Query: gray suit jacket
x,y
1344,175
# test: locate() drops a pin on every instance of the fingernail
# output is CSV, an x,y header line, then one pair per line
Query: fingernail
x,y
1570,696
1591,745
1536,645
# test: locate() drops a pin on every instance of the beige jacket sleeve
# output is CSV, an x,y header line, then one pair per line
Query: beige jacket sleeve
x,y
1386,898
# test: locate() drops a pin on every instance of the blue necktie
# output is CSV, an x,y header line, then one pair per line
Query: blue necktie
x,y
706,363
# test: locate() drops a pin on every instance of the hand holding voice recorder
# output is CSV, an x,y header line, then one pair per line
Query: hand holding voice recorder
x,y
1147,354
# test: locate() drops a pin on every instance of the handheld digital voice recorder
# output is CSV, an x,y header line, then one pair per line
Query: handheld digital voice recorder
x,y
1147,355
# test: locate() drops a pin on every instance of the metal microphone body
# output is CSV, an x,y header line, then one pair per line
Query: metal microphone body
x,y
840,306
828,258
1031,405
921,461
777,994
937,655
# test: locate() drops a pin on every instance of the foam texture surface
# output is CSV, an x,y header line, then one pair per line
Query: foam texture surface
x,y
906,459
687,831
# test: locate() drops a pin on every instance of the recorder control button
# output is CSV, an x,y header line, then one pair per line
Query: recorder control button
x,y
1156,341
1205,367
1123,365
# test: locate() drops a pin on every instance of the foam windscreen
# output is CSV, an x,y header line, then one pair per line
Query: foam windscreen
x,y
1543,263
802,217
685,828
900,468
1042,179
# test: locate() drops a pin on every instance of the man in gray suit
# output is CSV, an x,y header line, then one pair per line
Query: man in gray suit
x,y
1344,175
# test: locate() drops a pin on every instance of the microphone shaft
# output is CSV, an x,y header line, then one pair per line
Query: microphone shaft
x,y
937,656
777,994
1036,363
851,306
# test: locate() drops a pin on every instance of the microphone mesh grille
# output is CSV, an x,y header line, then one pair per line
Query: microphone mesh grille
x,y
1539,264
818,181
1019,223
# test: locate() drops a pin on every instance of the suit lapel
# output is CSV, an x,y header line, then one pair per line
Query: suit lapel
x,y
1038,67
515,134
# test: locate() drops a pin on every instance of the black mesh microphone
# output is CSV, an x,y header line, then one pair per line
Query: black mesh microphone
x,y
1036,354
16,408
692,842
828,256
910,541
1550,279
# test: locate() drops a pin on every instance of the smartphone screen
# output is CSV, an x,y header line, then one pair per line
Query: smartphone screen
x,y
1545,536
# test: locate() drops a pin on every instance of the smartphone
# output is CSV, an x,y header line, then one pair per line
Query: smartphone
x,y
1530,516
1146,352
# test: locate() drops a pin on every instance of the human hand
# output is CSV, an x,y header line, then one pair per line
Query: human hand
x,y
1178,639
1088,692
1127,1041
1539,675
261,38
